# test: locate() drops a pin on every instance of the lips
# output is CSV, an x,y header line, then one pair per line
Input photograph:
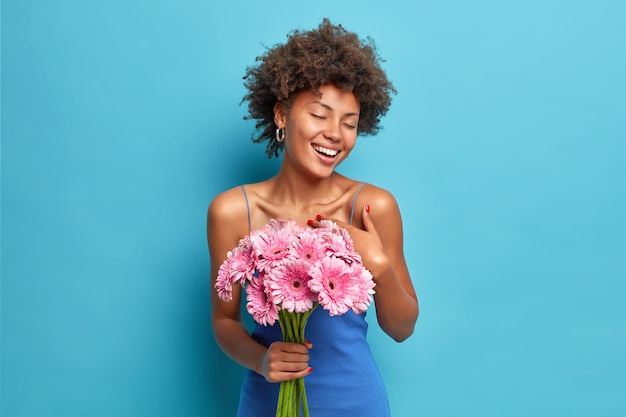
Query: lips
x,y
326,151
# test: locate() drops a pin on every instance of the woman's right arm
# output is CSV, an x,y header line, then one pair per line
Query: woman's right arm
x,y
227,223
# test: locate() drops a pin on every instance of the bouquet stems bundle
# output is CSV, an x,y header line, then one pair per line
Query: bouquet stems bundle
x,y
292,394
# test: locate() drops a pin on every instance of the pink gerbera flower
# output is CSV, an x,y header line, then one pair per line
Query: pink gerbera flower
x,y
330,225
260,303
308,247
332,279
290,225
236,269
241,265
223,284
337,246
288,286
335,229
270,247
365,285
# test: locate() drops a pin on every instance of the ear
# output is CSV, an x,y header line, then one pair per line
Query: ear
x,y
280,118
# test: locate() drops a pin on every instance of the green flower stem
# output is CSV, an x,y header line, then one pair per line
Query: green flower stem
x,y
295,324
305,404
281,396
286,397
282,326
287,318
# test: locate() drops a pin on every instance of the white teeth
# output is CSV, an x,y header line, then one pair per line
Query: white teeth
x,y
325,151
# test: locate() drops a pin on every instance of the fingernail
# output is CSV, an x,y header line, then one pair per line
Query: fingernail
x,y
367,208
319,217
309,370
310,222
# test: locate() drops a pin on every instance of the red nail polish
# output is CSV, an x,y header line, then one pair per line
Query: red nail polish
x,y
310,222
319,217
309,370
367,208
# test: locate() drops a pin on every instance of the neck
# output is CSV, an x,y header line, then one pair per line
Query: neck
x,y
297,190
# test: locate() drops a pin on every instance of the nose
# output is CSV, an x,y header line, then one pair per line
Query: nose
x,y
333,132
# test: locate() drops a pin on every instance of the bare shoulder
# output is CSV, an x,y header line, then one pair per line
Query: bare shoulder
x,y
228,212
384,210
381,201
228,203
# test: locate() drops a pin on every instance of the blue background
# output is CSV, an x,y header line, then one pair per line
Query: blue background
x,y
505,148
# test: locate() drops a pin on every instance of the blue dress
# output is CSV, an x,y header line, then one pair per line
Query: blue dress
x,y
345,380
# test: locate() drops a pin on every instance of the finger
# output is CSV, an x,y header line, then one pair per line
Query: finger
x,y
283,352
287,376
367,220
301,374
289,347
285,366
292,358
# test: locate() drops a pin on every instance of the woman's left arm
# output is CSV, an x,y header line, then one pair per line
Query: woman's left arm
x,y
380,244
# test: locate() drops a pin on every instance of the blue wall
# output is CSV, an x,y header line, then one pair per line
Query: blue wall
x,y
505,148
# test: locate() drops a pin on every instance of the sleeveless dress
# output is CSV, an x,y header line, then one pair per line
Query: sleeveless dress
x,y
345,381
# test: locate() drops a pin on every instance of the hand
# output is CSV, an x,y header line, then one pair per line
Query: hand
x,y
284,361
367,242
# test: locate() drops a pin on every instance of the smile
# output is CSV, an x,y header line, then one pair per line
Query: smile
x,y
326,151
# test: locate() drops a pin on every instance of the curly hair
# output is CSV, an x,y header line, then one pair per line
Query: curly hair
x,y
308,60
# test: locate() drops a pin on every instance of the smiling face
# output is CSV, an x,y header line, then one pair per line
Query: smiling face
x,y
320,130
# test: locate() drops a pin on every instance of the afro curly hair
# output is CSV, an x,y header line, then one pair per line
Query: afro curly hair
x,y
308,60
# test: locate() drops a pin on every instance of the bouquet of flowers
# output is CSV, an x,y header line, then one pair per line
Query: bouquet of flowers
x,y
288,270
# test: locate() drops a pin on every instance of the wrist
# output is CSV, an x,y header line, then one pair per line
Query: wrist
x,y
260,359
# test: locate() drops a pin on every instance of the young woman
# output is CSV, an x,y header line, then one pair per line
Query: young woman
x,y
311,97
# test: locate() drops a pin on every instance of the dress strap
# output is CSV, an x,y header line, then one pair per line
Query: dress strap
x,y
247,206
353,201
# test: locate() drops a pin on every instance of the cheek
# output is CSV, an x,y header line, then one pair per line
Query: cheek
x,y
348,147
310,128
351,142
303,129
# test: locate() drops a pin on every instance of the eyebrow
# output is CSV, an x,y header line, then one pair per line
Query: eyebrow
x,y
327,107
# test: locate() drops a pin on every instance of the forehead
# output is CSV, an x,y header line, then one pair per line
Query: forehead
x,y
330,97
